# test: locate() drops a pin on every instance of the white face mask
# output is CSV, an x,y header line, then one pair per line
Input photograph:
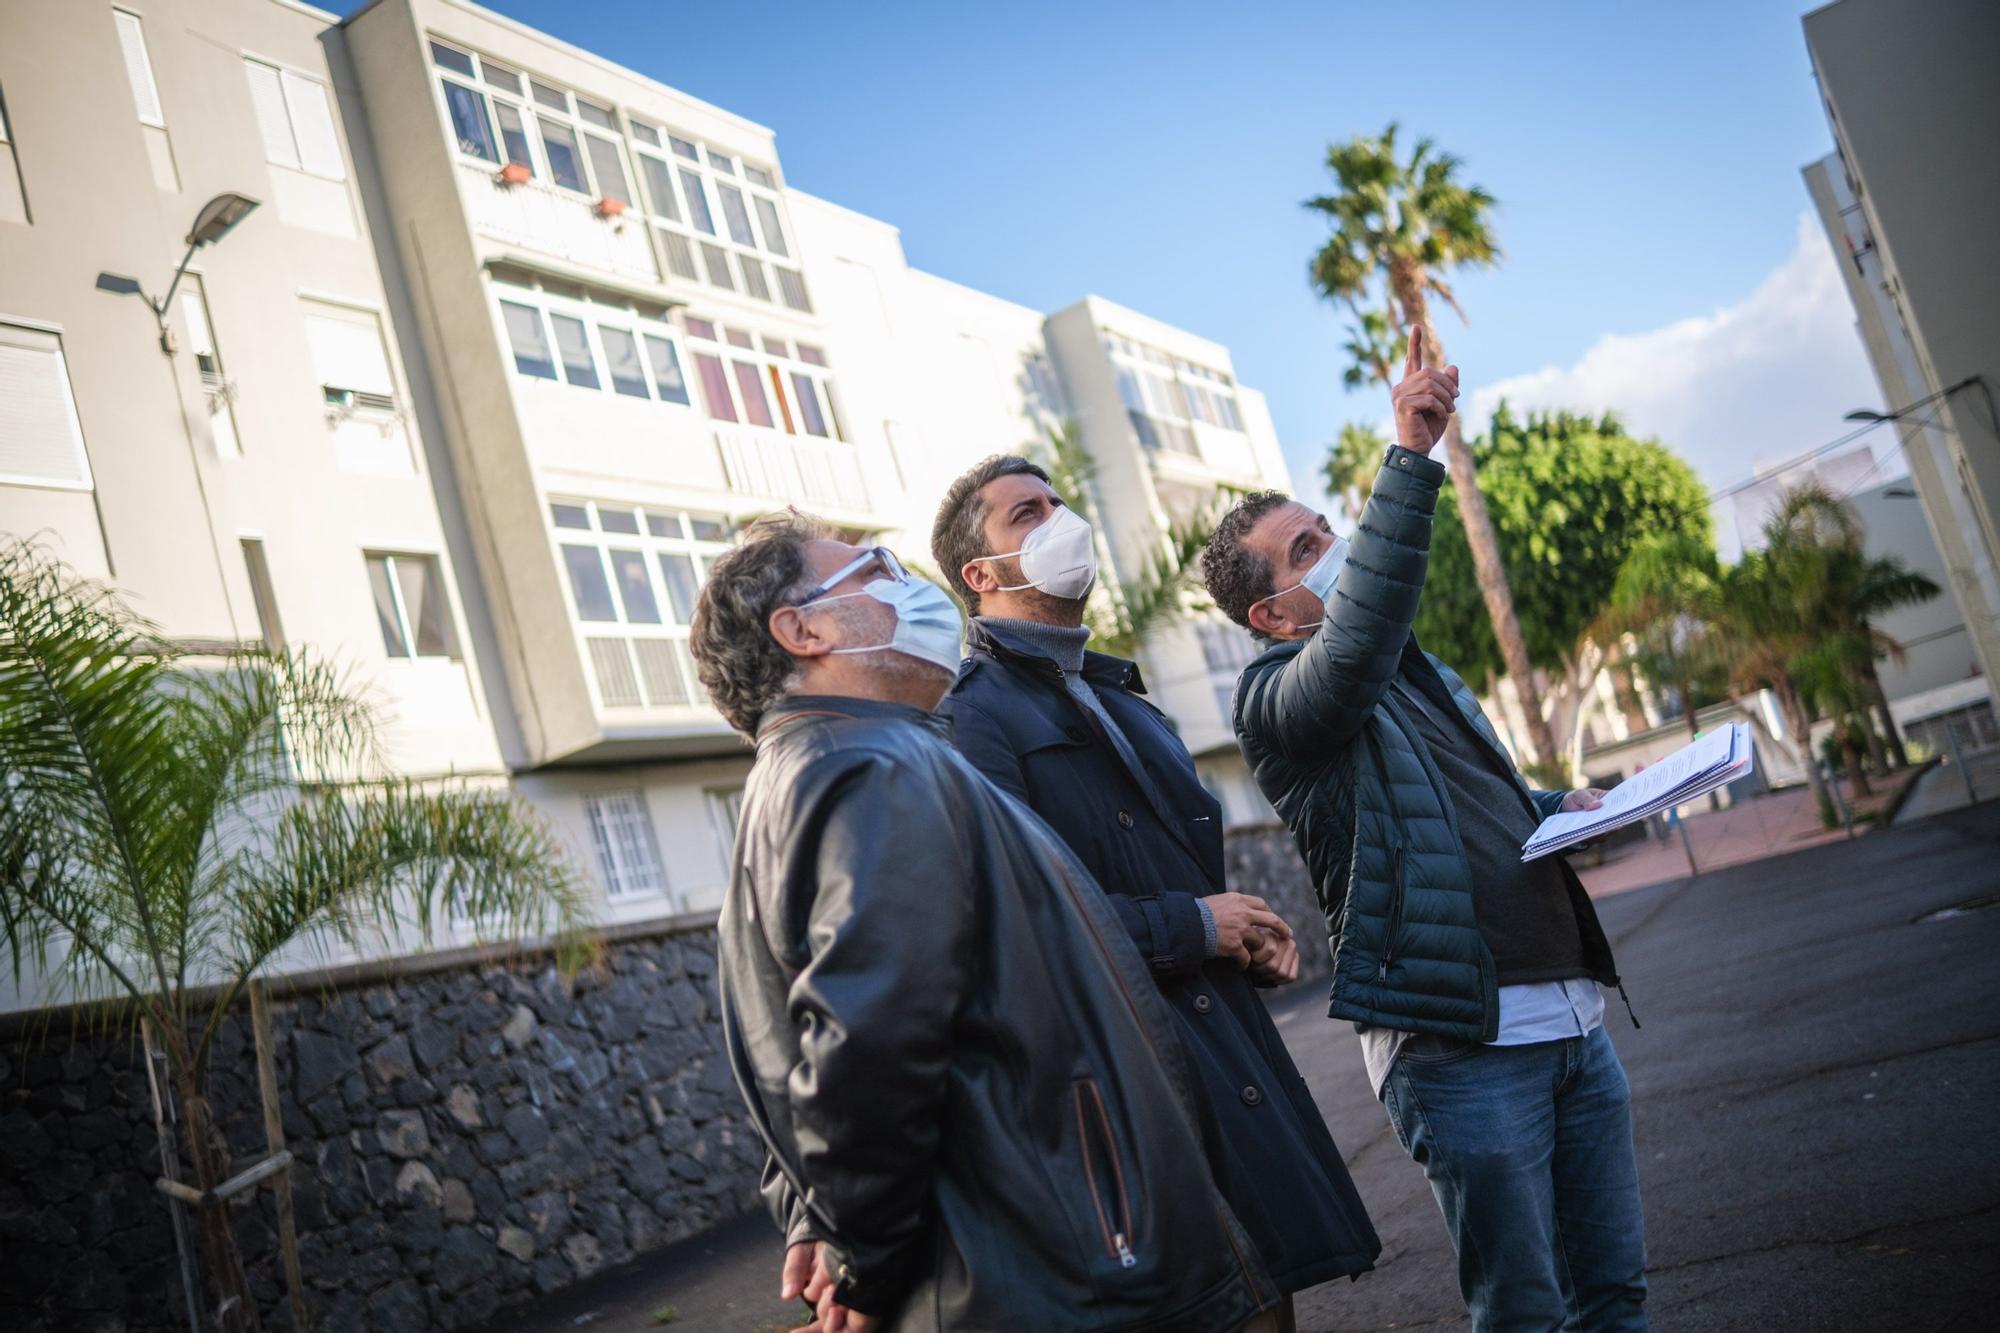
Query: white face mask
x,y
1319,579
927,625
1058,557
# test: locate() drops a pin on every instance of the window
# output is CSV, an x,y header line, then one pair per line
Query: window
x,y
41,442
349,358
633,578
208,364
800,393
758,176
697,202
753,277
573,344
714,387
559,146
627,852
445,57
716,260
736,214
621,361
296,120
261,594
139,68
680,255
528,339
588,584
552,343
793,287
513,134
410,606
594,114
604,160
468,121
659,187
774,232
666,364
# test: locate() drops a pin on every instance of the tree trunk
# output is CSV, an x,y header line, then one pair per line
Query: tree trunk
x,y
235,1312
1800,725
1486,564
1857,776
1886,719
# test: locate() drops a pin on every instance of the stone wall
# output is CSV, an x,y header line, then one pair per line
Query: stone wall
x,y
466,1138
468,1134
1262,859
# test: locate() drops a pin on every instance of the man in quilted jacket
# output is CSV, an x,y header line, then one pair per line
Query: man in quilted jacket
x,y
1472,976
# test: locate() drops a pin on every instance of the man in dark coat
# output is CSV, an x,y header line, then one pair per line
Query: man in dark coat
x,y
945,1041
1069,732
1471,975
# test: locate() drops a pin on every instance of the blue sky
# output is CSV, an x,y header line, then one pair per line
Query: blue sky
x,y
1645,157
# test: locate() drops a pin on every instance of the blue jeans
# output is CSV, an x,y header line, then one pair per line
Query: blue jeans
x,y
1529,1152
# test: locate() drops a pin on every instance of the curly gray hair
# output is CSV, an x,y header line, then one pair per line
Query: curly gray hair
x,y
742,667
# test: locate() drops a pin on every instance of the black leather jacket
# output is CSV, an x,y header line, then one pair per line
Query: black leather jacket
x,y
947,1043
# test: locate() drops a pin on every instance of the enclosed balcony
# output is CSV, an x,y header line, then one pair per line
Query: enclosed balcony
x,y
540,219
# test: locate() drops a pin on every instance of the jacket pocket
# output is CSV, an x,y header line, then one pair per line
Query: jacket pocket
x,y
1395,916
1103,1172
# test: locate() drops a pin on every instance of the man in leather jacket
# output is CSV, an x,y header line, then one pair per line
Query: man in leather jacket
x,y
1472,976
943,1036
1070,733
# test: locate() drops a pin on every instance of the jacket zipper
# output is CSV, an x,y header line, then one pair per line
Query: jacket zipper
x,y
1117,1232
1145,1035
1395,919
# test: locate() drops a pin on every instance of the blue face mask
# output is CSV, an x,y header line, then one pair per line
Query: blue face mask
x,y
1319,580
927,624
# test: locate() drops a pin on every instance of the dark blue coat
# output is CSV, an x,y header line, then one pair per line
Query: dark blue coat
x,y
1153,841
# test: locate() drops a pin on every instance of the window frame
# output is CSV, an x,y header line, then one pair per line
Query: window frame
x,y
435,567
771,369
86,478
604,840
288,76
595,317
158,119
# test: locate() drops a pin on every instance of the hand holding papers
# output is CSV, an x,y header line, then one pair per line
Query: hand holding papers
x,y
1716,760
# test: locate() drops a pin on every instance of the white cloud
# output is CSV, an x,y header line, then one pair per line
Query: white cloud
x,y
1752,383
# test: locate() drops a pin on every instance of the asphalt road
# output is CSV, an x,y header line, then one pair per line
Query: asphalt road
x,y
1815,1093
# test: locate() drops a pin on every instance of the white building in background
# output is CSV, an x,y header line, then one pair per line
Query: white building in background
x,y
1908,198
514,343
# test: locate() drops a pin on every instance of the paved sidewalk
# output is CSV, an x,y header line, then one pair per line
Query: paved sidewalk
x,y
1813,1095
1943,787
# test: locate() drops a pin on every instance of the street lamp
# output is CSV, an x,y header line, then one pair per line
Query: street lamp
x,y
217,217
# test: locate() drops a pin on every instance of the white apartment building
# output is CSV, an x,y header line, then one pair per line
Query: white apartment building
x,y
513,344
1910,206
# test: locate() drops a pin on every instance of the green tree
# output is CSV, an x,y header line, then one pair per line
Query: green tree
x,y
1571,498
1662,603
1821,539
1123,611
168,830
1351,463
1403,224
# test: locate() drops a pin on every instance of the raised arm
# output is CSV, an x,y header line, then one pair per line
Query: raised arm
x,y
1319,698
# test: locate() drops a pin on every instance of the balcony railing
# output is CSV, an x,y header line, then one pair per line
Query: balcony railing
x,y
792,468
540,218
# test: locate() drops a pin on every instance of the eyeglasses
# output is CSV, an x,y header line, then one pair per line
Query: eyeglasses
x,y
892,568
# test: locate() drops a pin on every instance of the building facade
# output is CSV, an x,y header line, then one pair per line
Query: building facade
x,y
513,344
1907,88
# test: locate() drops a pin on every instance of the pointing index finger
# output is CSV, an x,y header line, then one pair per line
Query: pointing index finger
x,y
1414,360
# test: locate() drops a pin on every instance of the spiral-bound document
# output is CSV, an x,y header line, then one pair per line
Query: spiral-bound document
x,y
1696,769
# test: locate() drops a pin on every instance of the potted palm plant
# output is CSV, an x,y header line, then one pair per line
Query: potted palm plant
x,y
171,825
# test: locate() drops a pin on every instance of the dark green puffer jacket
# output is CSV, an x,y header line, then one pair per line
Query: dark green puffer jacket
x,y
1349,772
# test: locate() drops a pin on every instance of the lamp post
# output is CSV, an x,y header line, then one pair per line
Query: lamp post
x,y
217,218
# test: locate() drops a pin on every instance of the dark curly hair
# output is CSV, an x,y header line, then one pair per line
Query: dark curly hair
x,y
741,666
1236,576
959,534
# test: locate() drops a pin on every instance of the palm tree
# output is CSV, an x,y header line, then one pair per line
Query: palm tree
x,y
1406,222
1819,537
167,832
1351,461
